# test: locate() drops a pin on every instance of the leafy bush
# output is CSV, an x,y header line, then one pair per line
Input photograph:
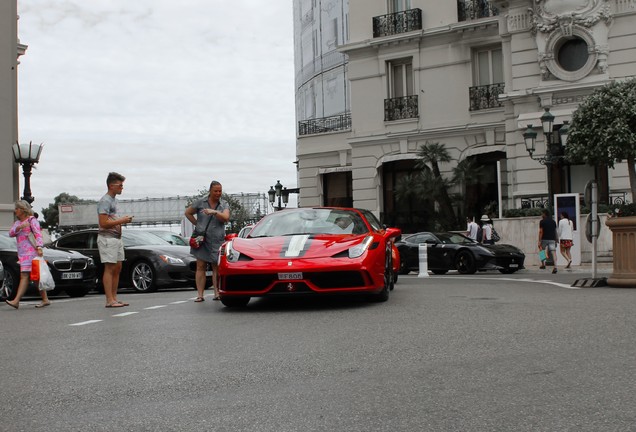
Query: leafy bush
x,y
526,212
622,210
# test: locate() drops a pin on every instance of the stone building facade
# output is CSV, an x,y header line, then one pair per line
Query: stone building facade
x,y
471,75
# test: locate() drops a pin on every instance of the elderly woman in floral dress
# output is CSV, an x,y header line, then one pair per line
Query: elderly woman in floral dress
x,y
25,225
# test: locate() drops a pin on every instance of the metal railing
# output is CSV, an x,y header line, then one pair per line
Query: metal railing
x,y
538,202
468,10
401,108
398,22
325,124
485,96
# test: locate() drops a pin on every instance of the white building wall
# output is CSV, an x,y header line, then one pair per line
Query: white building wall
x,y
9,51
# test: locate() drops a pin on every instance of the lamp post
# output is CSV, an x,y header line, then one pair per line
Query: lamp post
x,y
554,146
280,192
27,155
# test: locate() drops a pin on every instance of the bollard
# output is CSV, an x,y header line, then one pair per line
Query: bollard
x,y
423,255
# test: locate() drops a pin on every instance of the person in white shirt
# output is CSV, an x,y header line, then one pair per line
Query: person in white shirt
x,y
486,230
565,232
472,229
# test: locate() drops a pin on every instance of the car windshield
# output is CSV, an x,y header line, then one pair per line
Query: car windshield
x,y
170,237
310,221
454,238
141,238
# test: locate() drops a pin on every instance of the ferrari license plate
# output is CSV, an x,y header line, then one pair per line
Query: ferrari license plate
x,y
290,276
72,275
513,265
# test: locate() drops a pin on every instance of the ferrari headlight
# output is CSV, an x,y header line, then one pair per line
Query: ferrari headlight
x,y
231,254
171,260
360,248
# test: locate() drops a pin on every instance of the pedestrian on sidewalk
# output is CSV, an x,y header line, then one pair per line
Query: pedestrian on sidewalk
x,y
565,233
487,228
28,235
547,239
472,229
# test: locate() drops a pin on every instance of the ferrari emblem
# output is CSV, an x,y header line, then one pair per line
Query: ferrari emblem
x,y
289,263
291,287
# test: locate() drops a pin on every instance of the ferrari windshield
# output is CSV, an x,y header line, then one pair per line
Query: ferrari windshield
x,y
310,221
453,238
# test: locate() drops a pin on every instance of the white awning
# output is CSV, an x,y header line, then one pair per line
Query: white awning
x,y
534,118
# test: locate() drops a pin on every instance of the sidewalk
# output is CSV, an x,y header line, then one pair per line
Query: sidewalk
x,y
603,269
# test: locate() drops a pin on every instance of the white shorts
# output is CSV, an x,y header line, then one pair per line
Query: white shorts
x,y
111,249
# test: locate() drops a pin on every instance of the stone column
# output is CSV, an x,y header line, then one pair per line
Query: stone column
x,y
624,245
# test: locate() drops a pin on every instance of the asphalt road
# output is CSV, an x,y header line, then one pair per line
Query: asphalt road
x,y
446,353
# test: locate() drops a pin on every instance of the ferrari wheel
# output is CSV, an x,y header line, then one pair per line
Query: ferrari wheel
x,y
142,277
235,301
465,263
403,268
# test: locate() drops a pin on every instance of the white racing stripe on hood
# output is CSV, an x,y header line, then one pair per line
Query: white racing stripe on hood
x,y
296,245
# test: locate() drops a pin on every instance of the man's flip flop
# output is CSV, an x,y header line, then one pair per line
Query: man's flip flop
x,y
114,304
199,300
41,305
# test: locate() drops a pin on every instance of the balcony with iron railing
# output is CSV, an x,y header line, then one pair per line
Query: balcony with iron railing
x,y
398,22
401,108
468,10
336,123
485,96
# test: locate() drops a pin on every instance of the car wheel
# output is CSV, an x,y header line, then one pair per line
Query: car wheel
x,y
142,277
383,295
235,301
403,268
465,263
10,286
508,271
439,272
395,277
76,291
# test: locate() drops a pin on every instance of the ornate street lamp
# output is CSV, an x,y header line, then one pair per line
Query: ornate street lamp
x,y
280,192
27,155
554,147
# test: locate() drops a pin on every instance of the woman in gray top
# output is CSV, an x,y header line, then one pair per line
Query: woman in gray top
x,y
209,209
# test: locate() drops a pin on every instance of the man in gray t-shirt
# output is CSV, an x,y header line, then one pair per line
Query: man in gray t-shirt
x,y
109,243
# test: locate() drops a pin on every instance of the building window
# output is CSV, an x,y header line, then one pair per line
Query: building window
x,y
398,5
488,79
338,189
400,77
572,54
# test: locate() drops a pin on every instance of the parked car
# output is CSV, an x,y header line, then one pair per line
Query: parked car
x,y
452,251
72,272
170,237
150,261
305,251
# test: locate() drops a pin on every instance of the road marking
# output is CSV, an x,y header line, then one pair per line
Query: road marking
x,y
85,322
179,302
125,314
539,281
156,307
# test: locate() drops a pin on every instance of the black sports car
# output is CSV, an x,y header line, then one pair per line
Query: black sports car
x,y
451,251
150,261
72,272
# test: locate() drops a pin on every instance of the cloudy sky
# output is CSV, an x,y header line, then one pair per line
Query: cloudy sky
x,y
170,94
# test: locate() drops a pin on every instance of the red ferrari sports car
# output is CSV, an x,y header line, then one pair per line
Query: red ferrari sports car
x,y
322,250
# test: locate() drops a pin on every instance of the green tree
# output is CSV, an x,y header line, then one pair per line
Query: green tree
x,y
433,154
603,129
51,214
467,172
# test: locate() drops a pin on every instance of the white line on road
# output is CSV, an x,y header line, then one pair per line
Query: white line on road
x,y
179,302
156,307
125,314
85,322
540,281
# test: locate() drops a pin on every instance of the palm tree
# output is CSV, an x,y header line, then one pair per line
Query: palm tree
x,y
467,172
433,154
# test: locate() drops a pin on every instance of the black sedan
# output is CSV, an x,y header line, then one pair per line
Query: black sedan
x,y
150,261
451,251
72,272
